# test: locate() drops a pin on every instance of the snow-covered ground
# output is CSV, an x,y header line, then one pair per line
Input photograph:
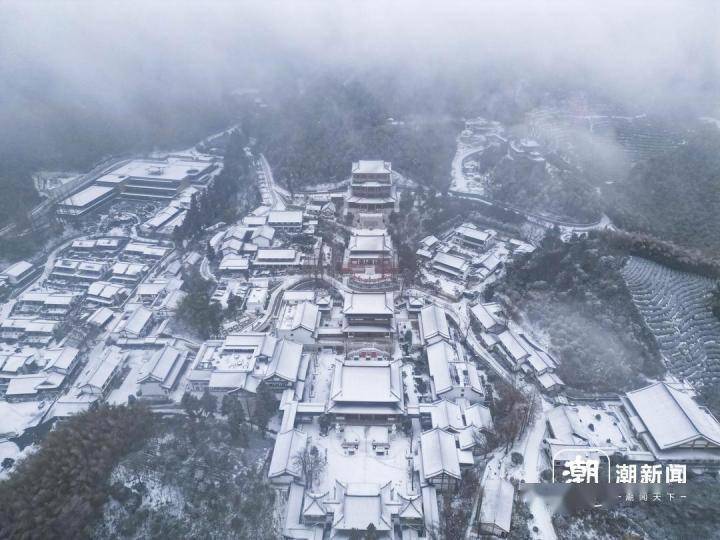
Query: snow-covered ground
x,y
10,450
364,466
602,428
532,464
460,182
321,374
409,382
17,417
138,363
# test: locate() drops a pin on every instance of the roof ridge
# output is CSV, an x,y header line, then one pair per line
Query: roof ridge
x,y
689,418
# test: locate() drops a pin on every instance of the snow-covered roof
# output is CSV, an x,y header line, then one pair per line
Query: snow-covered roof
x,y
479,416
82,244
424,253
439,356
376,242
104,369
368,381
371,167
451,261
490,261
497,503
473,377
472,233
439,454
271,254
446,415
411,507
264,231
254,221
100,316
280,217
29,325
47,298
368,303
549,380
224,380
69,264
287,445
151,289
139,319
128,269
12,363
512,345
256,343
486,316
302,315
672,417
60,358
466,438
429,241
433,323
562,427
25,385
104,289
360,505
296,527
163,216
313,505
87,196
107,242
90,266
165,366
173,168
234,262
540,362
285,361
149,250
18,269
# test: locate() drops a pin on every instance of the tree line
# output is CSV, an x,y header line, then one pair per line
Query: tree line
x,y
232,193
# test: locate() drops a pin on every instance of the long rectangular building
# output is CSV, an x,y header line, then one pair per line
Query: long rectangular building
x,y
85,201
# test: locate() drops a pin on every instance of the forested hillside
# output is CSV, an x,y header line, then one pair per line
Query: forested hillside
x,y
312,136
562,192
59,491
675,195
575,294
197,477
19,194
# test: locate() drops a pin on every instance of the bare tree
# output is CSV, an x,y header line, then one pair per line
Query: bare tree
x,y
513,408
312,465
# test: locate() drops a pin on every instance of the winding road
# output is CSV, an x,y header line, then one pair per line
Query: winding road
x,y
274,192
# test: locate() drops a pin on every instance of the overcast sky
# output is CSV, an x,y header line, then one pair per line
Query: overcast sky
x,y
106,51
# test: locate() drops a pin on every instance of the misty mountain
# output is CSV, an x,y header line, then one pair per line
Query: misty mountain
x,y
675,195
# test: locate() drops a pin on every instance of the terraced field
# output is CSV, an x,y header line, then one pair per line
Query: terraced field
x,y
675,306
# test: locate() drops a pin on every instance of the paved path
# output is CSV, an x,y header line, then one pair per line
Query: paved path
x,y
531,448
275,193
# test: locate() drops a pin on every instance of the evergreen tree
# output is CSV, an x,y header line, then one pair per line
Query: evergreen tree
x,y
59,491
208,403
266,405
